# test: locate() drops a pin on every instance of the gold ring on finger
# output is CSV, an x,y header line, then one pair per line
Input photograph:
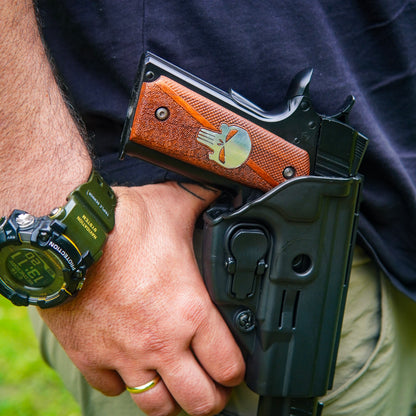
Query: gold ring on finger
x,y
144,387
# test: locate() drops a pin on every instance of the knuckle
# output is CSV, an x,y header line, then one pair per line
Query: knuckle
x,y
195,311
208,406
155,343
85,362
205,409
233,373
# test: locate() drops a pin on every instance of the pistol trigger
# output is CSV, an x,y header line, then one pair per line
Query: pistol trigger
x,y
342,115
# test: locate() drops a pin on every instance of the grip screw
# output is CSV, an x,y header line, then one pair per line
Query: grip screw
x,y
162,113
150,75
289,172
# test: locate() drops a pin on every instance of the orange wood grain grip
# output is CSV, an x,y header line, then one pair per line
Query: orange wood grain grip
x,y
200,132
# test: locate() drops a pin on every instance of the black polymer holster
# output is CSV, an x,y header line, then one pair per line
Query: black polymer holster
x,y
278,270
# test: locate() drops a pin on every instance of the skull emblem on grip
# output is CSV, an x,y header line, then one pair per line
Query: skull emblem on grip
x,y
230,148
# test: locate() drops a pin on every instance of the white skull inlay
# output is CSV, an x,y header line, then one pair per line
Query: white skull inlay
x,y
230,148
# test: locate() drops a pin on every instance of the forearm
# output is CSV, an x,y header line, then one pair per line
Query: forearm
x,y
42,154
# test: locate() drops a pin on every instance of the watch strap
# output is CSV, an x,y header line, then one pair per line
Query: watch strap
x,y
88,216
99,198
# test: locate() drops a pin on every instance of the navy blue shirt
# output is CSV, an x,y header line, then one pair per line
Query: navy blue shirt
x,y
362,47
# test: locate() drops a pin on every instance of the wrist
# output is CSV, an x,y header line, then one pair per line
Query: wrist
x,y
37,190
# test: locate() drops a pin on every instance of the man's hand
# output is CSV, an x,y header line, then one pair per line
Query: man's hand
x,y
144,309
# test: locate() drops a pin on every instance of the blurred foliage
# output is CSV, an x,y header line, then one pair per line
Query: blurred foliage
x,y
28,387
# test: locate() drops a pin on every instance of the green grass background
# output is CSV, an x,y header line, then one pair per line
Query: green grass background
x,y
28,387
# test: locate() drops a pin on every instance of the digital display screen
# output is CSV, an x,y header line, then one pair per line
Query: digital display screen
x,y
30,268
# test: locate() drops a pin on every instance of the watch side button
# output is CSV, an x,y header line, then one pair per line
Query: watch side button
x,y
43,236
78,274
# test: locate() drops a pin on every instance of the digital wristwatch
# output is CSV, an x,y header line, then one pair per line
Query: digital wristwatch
x,y
43,260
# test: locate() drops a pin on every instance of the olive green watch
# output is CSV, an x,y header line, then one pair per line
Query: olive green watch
x,y
43,260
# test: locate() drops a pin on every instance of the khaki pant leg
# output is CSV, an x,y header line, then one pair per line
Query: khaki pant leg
x,y
380,329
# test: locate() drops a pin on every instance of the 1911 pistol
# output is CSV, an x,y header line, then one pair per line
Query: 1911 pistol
x,y
277,267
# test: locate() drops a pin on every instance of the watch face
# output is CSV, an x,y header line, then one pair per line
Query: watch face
x,y
34,271
30,268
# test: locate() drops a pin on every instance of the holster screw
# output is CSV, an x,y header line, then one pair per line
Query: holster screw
x,y
245,320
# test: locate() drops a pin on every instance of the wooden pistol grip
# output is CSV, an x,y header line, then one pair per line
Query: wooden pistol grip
x,y
185,125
